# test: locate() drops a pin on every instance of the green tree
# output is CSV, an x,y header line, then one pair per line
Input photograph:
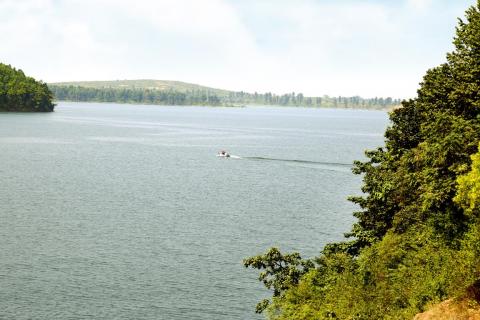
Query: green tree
x,y
417,236
21,93
280,271
428,145
468,194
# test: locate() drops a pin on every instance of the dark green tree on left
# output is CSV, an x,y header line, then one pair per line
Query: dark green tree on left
x,y
21,93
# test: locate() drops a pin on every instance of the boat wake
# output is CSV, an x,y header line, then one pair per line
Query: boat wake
x,y
300,161
324,165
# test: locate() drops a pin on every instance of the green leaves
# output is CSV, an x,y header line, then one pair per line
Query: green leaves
x,y
468,193
21,93
279,272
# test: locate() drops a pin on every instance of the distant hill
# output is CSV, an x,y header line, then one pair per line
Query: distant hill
x,y
166,92
151,84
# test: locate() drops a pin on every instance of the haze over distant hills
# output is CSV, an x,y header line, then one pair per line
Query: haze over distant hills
x,y
167,92
144,84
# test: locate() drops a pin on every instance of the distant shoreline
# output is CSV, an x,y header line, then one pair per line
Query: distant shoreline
x,y
163,92
387,109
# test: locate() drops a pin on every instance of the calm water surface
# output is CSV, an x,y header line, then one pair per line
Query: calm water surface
x,y
125,212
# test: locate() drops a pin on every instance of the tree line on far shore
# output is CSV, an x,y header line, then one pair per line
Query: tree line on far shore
x,y
211,98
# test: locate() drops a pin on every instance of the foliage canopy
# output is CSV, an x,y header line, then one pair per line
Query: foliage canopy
x,y
21,93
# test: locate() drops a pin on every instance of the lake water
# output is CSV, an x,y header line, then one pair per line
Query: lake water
x,y
125,212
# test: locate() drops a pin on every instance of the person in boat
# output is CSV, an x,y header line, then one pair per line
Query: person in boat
x,y
224,153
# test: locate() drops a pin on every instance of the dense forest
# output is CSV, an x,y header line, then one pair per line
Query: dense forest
x,y
21,93
212,97
416,241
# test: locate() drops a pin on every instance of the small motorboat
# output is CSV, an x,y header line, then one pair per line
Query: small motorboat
x,y
223,154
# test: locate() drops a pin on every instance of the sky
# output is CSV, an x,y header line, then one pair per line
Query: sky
x,y
316,47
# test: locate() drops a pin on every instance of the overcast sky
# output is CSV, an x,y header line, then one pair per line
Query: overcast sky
x,y
334,47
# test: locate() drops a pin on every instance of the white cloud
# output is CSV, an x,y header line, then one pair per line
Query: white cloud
x,y
315,47
419,5
101,39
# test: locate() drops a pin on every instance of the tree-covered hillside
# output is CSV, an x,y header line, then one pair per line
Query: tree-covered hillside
x,y
163,92
161,85
21,93
417,238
